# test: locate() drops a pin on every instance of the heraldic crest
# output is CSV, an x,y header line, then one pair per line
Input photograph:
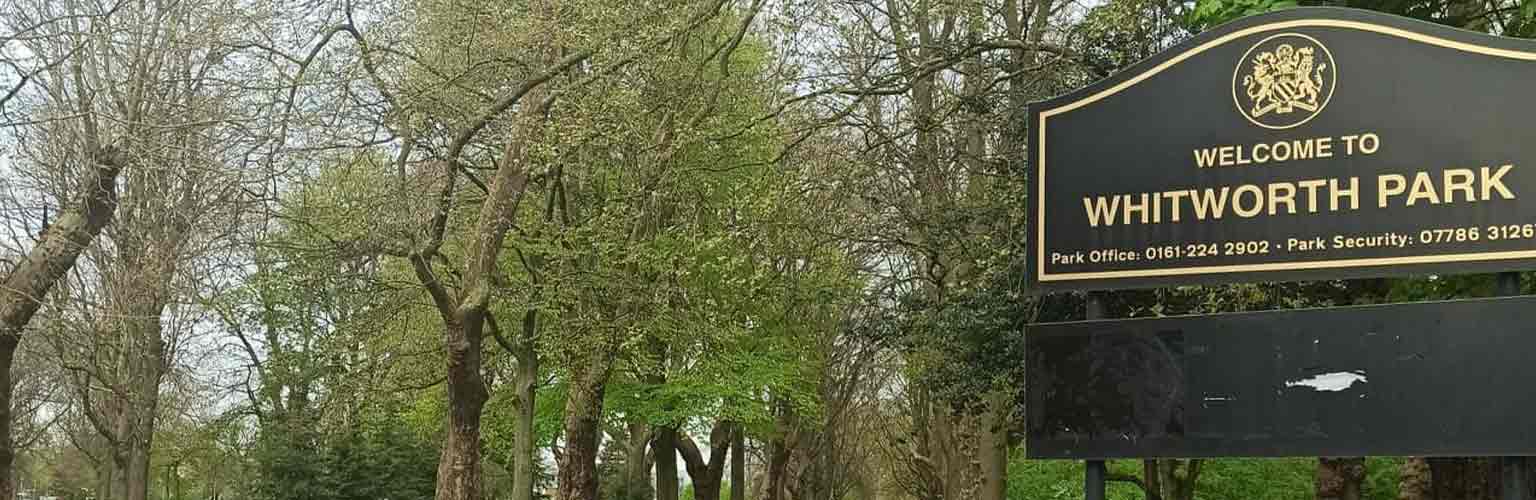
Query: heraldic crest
x,y
1292,76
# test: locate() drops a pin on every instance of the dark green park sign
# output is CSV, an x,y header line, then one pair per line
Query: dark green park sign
x,y
1311,143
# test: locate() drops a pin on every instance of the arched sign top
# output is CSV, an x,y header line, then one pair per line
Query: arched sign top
x,y
1290,19
1310,143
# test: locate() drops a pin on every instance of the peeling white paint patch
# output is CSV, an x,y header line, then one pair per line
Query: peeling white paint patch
x,y
1332,382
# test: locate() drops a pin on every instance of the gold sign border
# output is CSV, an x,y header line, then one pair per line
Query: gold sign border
x,y
1042,276
1333,83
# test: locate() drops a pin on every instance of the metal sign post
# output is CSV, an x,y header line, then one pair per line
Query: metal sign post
x,y
1093,487
1094,470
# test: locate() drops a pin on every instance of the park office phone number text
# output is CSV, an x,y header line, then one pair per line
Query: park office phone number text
x,y
1499,232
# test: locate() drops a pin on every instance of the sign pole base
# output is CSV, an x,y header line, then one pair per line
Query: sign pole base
x,y
1093,480
1093,470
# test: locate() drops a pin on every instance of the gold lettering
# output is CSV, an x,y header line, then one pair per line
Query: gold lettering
x,y
1131,208
1311,187
1353,193
1205,158
1302,150
1423,188
1276,198
1493,183
1281,153
1173,198
1389,185
1459,179
1258,201
1209,205
1101,210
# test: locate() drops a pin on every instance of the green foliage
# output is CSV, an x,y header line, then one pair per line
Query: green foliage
x,y
1119,33
725,491
1209,13
970,345
1225,479
674,255
375,457
1516,19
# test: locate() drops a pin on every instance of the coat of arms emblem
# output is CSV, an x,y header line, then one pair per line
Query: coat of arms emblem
x,y
1283,81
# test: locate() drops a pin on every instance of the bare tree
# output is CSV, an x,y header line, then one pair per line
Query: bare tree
x,y
87,175
149,76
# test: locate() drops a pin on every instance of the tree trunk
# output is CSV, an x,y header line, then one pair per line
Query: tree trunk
x,y
8,344
119,485
665,448
148,371
707,474
1340,478
1186,490
133,341
778,468
1151,474
637,463
1464,478
583,427
946,452
1165,482
524,443
994,449
1414,480
104,479
458,469
138,471
739,463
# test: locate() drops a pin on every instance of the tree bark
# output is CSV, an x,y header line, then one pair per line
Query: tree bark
x,y
583,427
994,449
739,463
707,474
145,367
138,466
525,380
1340,478
665,448
1151,474
1164,482
637,464
778,456
458,468
1414,480
8,344
945,451
1464,478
